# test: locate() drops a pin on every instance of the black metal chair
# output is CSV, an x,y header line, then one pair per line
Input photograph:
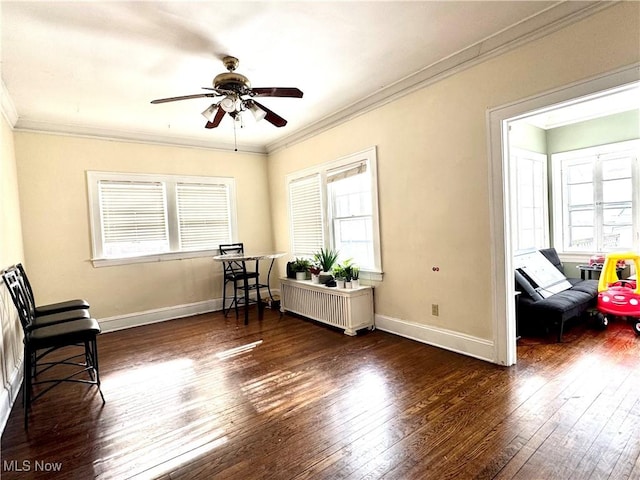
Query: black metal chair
x,y
237,274
42,340
52,308
53,313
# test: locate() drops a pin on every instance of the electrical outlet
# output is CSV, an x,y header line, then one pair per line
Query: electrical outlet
x,y
435,309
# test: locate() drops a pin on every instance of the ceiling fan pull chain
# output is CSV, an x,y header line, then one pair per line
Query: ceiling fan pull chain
x,y
235,140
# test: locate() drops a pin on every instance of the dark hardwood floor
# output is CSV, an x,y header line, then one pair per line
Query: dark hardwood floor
x,y
208,398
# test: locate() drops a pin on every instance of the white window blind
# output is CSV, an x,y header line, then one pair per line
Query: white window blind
x,y
306,215
134,218
204,215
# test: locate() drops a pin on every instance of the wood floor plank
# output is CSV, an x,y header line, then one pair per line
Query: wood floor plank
x,y
286,398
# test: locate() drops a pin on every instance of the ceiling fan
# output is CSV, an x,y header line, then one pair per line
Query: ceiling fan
x,y
237,96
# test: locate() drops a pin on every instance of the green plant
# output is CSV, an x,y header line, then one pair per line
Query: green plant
x,y
301,265
355,272
347,267
326,258
338,272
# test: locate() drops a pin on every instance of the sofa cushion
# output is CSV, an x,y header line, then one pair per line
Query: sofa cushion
x,y
586,286
558,307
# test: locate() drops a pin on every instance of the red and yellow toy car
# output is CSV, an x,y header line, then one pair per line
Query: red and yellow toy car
x,y
620,298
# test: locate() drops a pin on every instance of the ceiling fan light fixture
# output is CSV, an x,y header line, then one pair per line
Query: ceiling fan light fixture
x,y
228,104
210,112
257,112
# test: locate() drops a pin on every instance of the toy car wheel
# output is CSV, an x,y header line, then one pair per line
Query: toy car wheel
x,y
602,321
636,327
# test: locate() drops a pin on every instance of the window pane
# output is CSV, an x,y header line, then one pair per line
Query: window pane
x,y
617,191
617,237
618,215
581,194
580,173
616,168
351,196
353,238
581,218
582,238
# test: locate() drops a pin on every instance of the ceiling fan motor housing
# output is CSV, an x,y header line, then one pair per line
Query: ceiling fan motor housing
x,y
233,81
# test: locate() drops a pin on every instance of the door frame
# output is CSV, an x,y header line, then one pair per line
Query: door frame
x,y
503,301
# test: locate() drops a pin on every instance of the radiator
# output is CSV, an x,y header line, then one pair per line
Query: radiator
x,y
348,309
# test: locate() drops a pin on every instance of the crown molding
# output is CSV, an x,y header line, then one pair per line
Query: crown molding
x,y
537,26
75,130
540,25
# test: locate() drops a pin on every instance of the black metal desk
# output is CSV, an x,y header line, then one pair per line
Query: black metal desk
x,y
588,270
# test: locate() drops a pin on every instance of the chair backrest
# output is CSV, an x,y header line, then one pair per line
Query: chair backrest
x,y
26,285
17,291
233,267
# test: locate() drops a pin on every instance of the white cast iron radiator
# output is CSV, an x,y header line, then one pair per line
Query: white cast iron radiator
x,y
350,309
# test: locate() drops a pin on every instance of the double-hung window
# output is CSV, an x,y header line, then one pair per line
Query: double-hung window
x,y
335,205
597,198
142,217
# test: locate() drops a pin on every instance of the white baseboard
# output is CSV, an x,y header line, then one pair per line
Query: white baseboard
x,y
438,337
136,319
8,396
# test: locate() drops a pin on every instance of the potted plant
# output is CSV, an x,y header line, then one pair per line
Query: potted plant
x,y
355,276
301,267
340,275
326,259
315,273
347,267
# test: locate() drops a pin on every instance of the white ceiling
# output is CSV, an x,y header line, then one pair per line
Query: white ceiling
x,y
93,67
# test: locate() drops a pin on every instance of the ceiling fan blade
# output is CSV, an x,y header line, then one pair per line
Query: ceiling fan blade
x,y
272,117
216,120
185,97
277,92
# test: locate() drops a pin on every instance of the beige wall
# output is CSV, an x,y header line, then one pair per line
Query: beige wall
x,y
55,219
433,173
10,253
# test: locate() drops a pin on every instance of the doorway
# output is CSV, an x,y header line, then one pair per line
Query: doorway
x,y
501,190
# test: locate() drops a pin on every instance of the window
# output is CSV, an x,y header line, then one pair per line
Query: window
x,y
335,205
530,218
140,217
597,198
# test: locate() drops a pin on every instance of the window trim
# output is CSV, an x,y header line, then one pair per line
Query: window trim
x,y
95,225
516,155
558,189
369,155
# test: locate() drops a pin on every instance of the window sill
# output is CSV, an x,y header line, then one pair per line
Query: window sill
x,y
159,257
371,275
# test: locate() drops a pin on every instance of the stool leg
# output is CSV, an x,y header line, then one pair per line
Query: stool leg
x,y
26,384
96,366
246,300
224,297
